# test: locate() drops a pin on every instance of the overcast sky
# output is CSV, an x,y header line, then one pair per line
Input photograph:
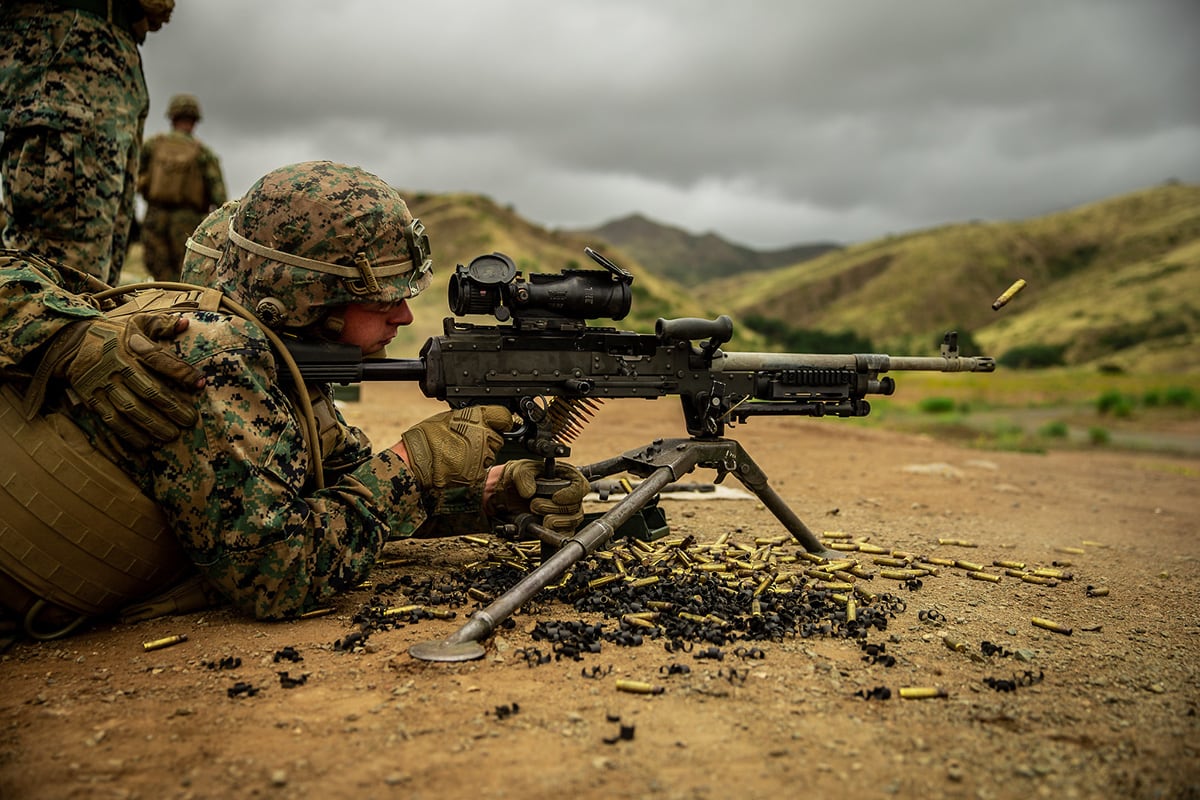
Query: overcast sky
x,y
769,122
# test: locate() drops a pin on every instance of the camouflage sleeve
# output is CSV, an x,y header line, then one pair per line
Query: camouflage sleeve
x,y
237,490
344,448
143,176
214,181
37,301
350,448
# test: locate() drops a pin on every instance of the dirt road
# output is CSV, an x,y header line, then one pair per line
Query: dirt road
x,y
1109,710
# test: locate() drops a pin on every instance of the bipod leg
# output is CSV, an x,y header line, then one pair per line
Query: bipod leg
x,y
727,456
754,479
464,644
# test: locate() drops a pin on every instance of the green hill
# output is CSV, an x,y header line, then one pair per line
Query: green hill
x,y
1114,283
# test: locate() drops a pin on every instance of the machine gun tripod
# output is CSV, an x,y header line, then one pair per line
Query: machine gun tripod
x,y
658,464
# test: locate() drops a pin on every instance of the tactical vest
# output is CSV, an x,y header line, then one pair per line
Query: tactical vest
x,y
173,175
78,538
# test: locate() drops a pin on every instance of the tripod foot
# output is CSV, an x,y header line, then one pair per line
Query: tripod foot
x,y
447,651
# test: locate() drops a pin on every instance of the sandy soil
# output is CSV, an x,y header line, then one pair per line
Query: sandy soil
x,y
1109,710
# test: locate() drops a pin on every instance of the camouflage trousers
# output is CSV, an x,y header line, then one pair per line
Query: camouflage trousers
x,y
165,232
73,104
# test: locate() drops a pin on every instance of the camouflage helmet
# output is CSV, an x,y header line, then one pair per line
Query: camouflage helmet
x,y
204,246
183,105
311,238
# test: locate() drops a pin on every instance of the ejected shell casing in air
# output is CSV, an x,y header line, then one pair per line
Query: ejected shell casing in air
x,y
1009,293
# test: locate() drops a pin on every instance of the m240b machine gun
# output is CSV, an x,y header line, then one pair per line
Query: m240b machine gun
x,y
546,364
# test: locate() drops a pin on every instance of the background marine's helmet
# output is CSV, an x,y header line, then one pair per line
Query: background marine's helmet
x,y
184,105
310,238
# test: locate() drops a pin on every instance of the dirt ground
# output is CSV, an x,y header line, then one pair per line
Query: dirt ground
x,y
1109,710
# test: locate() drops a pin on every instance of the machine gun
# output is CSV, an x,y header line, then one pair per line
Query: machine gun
x,y
550,367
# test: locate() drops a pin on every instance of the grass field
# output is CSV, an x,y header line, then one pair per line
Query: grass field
x,y
1038,410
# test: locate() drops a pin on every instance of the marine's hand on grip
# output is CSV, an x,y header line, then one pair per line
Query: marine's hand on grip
x,y
455,448
121,370
516,492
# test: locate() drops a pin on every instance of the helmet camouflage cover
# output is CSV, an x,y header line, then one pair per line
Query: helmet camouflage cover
x,y
205,244
310,238
184,105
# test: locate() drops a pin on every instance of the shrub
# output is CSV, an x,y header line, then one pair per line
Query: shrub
x,y
807,340
1054,430
1034,356
1098,435
1180,397
1116,403
936,405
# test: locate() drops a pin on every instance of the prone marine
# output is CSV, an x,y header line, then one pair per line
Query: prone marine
x,y
253,492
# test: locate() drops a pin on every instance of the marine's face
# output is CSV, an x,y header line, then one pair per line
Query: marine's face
x,y
372,325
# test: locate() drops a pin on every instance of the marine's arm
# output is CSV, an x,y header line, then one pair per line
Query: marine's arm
x,y
238,490
214,180
51,331
37,301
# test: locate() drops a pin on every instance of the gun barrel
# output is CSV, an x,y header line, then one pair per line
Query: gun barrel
x,y
943,364
860,362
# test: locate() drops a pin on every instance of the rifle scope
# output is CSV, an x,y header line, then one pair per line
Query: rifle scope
x,y
492,285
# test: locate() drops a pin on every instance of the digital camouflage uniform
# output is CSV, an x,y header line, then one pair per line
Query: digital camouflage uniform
x,y
238,489
168,223
72,110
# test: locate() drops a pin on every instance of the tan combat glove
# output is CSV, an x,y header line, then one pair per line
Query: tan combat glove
x,y
516,492
119,369
453,450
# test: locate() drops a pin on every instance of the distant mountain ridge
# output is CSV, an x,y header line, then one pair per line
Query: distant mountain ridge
x,y
686,258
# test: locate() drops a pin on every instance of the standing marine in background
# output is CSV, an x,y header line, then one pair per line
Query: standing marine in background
x,y
181,181
73,104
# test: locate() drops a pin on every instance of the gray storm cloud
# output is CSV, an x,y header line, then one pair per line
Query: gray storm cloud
x,y
770,123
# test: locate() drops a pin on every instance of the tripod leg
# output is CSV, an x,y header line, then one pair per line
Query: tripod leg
x,y
755,480
727,456
464,644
